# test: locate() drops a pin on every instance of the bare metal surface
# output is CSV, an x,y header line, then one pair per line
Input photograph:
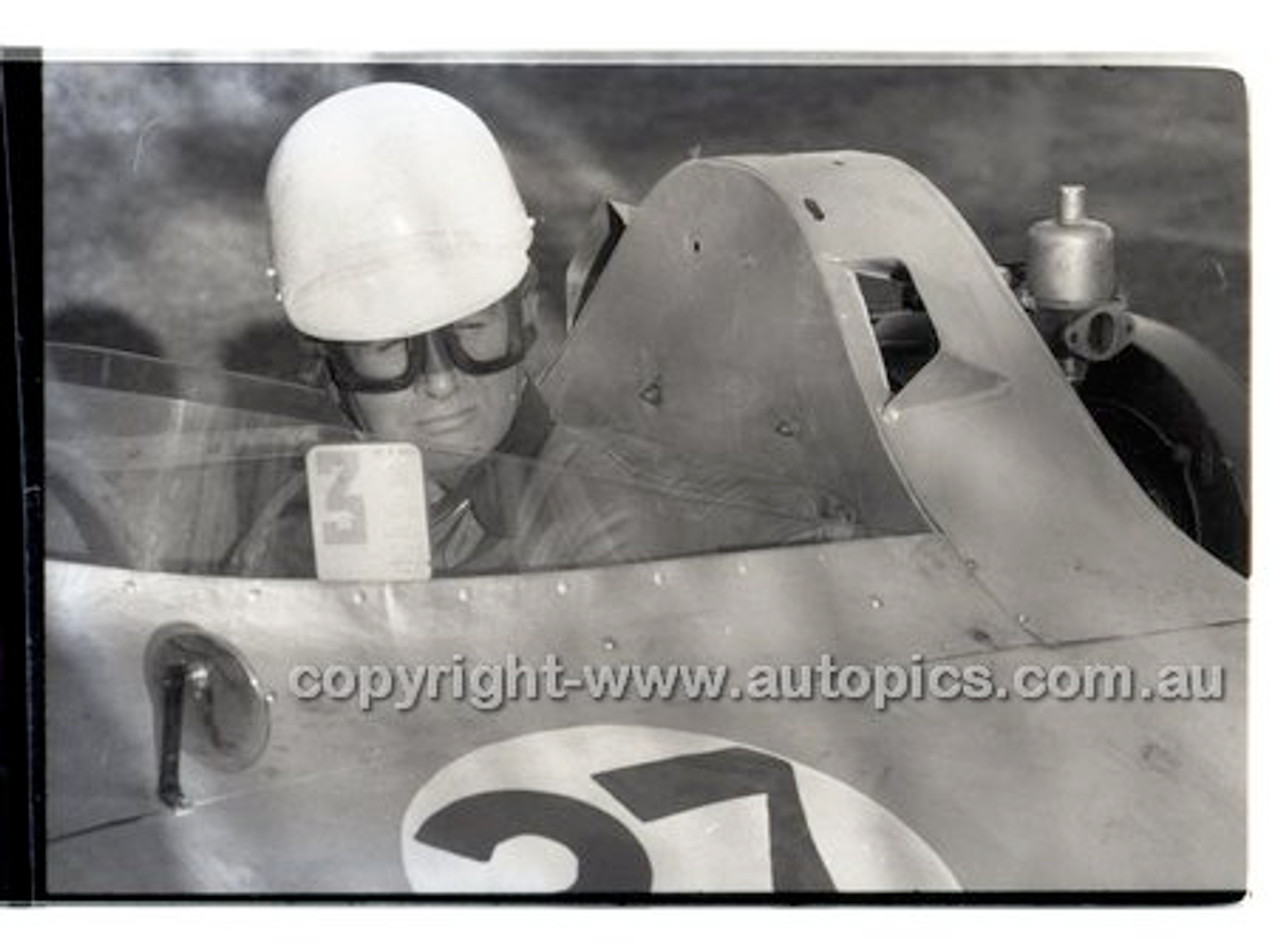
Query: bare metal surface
x,y
990,440
1154,790
710,333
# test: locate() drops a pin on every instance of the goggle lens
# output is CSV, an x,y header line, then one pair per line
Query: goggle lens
x,y
487,342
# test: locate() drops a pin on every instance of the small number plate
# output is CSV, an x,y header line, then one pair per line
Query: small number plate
x,y
368,512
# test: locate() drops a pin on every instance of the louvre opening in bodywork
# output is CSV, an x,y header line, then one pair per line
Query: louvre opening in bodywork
x,y
904,331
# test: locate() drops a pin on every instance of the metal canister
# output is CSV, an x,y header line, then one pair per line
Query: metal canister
x,y
1071,258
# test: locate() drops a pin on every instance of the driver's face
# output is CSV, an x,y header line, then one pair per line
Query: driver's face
x,y
455,418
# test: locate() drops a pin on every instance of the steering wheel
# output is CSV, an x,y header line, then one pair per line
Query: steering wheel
x,y
248,554
94,506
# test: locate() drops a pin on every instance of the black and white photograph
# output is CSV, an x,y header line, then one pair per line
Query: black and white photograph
x,y
640,478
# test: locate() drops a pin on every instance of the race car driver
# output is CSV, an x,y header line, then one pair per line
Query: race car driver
x,y
401,244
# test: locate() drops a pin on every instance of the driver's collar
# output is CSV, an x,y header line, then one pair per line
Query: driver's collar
x,y
492,487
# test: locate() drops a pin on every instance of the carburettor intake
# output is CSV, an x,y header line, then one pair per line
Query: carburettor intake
x,y
1072,285
1071,259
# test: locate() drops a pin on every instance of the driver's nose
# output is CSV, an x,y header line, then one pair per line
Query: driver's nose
x,y
439,377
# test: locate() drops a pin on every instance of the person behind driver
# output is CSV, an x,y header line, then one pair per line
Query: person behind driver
x,y
400,243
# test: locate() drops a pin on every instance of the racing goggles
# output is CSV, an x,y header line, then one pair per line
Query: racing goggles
x,y
487,342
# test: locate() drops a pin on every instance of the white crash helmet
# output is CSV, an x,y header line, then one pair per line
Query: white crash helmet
x,y
393,213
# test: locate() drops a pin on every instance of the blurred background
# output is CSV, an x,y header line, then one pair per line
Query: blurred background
x,y
155,232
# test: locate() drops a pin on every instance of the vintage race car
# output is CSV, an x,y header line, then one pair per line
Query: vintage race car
x,y
1008,656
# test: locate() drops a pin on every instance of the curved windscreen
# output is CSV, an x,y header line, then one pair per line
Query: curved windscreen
x,y
150,466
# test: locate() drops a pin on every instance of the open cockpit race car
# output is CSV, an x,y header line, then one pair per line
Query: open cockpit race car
x,y
950,593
